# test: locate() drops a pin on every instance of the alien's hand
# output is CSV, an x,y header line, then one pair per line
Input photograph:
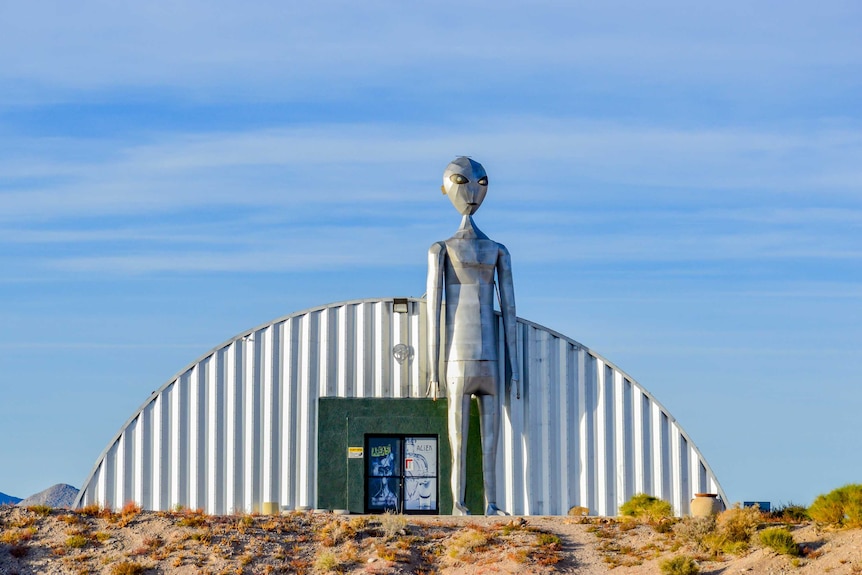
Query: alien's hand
x,y
433,384
516,383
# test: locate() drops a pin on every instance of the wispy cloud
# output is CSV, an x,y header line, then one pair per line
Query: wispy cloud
x,y
348,164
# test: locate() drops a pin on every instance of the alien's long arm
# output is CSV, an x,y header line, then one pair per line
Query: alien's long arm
x,y
507,309
434,300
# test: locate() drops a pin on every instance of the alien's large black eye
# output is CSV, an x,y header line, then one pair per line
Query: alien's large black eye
x,y
458,179
483,181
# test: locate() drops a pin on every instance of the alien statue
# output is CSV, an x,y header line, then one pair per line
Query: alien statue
x,y
463,268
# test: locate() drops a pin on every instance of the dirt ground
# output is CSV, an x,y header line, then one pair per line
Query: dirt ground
x,y
45,541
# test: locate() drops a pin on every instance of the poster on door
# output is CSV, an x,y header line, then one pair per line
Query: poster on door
x,y
384,473
420,473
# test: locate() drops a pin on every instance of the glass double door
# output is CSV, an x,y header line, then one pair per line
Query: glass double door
x,y
401,474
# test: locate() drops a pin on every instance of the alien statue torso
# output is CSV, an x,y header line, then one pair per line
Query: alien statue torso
x,y
470,262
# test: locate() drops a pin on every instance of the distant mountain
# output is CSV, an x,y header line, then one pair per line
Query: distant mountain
x,y
60,495
8,499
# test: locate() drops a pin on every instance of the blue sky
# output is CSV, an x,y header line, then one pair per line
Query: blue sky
x,y
679,185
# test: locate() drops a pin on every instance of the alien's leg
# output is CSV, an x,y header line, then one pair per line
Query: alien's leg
x,y
459,426
489,419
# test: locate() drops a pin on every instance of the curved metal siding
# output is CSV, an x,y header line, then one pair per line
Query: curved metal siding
x,y
238,427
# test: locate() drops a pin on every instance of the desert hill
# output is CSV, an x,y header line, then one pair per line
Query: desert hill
x,y
8,499
59,495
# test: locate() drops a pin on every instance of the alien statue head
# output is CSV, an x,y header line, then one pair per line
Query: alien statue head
x,y
466,184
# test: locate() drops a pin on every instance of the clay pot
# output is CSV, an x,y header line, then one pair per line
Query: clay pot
x,y
706,504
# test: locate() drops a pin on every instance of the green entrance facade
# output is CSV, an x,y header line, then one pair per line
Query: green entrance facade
x,y
354,437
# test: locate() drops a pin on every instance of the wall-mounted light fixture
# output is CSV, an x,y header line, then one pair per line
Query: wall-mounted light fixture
x,y
399,305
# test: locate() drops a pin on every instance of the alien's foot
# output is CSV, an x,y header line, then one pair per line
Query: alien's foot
x,y
459,509
494,510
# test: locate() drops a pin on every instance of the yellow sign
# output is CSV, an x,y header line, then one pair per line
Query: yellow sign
x,y
355,453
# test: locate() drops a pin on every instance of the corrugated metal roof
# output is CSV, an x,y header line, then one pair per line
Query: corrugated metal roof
x,y
237,427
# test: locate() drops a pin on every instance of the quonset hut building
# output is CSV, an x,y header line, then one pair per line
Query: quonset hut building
x,y
327,408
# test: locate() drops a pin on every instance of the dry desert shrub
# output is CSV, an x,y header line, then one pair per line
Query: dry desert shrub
x,y
696,530
737,524
127,568
326,561
729,532
392,524
840,507
469,540
679,565
92,510
41,510
548,548
191,518
334,533
17,535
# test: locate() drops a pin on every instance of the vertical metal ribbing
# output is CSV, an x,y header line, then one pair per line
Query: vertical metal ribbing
x,y
137,492
215,431
418,373
545,364
507,435
628,438
362,343
658,453
560,406
120,473
684,490
148,440
231,460
175,443
536,426
675,470
646,438
290,417
381,350
583,430
345,355
396,336
157,453
570,388
525,496
305,445
101,481
638,441
619,468
250,426
323,341
195,457
602,446
106,485
269,398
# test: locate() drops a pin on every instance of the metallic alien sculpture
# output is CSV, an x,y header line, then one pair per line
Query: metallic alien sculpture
x,y
463,266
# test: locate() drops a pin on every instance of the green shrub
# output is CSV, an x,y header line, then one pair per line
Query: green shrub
x,y
780,540
76,541
840,507
643,506
679,565
326,561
